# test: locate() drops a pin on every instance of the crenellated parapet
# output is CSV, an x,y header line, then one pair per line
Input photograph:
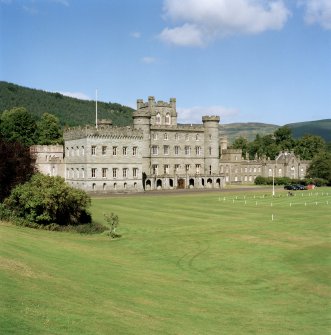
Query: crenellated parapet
x,y
179,127
102,132
212,118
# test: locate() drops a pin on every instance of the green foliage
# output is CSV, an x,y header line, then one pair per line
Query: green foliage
x,y
18,125
113,222
308,145
46,200
69,111
16,166
259,180
49,130
320,167
240,143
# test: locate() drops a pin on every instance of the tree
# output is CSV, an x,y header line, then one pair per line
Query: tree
x,y
49,130
320,167
240,143
308,146
46,200
16,166
17,125
283,137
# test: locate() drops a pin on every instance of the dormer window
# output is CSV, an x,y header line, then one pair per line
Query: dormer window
x,y
158,118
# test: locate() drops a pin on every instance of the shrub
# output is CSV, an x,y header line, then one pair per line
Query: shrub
x,y
46,200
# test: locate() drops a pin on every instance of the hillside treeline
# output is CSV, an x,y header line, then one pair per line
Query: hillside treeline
x,y
69,111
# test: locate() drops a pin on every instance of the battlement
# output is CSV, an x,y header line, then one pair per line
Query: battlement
x,y
180,127
104,131
151,103
212,118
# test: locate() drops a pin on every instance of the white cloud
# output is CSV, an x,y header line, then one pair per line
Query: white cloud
x,y
186,35
77,95
148,60
317,12
194,114
136,34
201,21
61,2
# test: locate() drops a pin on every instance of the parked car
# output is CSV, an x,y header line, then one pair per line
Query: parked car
x,y
295,187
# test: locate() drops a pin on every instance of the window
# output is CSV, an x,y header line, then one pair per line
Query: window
x,y
154,136
155,150
187,150
104,172
72,173
77,173
114,151
93,150
67,151
166,149
134,151
77,150
209,150
68,173
198,151
165,136
197,137
125,172
155,169
167,119
135,172
83,151
187,167
187,137
83,173
166,169
125,151
176,150
158,118
104,150
210,137
176,137
114,173
270,172
209,169
197,168
176,167
93,172
72,151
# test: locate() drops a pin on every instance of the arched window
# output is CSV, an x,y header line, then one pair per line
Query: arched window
x,y
168,119
158,118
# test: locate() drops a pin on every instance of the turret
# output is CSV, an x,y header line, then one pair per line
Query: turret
x,y
211,139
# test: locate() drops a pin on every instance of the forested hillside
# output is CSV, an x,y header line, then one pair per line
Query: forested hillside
x,y
320,128
70,111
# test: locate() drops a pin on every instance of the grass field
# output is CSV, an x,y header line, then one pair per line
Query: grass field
x,y
188,263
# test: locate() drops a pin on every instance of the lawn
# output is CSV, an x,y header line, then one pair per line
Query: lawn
x,y
187,263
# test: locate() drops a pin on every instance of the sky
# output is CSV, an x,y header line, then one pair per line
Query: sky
x,y
244,60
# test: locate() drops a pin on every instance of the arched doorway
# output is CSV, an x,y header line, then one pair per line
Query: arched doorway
x,y
159,184
209,183
218,182
203,182
191,183
171,183
181,183
148,184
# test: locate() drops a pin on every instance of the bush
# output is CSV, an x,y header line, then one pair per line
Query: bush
x,y
46,200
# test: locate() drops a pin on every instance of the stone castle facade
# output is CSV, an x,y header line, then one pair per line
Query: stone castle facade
x,y
156,153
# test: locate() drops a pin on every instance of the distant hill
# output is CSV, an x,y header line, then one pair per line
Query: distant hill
x,y
320,127
246,130
70,111
250,130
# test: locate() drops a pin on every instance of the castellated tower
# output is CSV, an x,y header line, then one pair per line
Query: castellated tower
x,y
211,139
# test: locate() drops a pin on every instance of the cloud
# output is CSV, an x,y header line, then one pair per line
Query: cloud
x,y
194,114
148,60
317,12
77,95
136,34
202,21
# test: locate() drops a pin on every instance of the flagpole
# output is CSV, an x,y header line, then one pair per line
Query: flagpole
x,y
96,109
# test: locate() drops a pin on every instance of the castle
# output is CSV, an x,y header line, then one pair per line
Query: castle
x,y
156,153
